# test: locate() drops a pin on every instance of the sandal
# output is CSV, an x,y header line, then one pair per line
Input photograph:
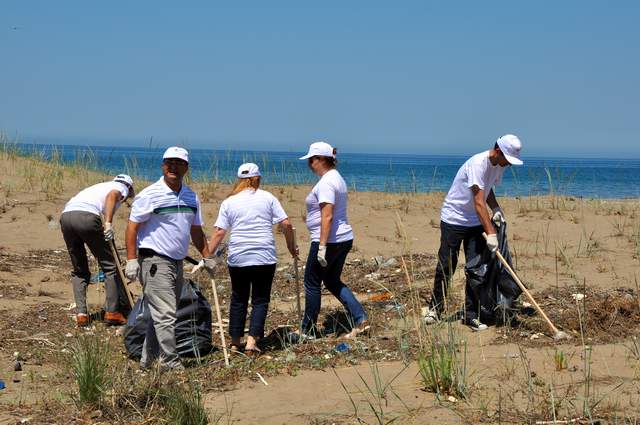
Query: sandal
x,y
359,330
253,353
235,349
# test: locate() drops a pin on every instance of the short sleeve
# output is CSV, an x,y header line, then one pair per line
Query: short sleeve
x,y
475,175
197,220
124,191
223,221
325,193
141,209
277,212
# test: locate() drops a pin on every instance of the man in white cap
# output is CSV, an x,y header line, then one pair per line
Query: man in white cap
x,y
465,216
163,216
81,223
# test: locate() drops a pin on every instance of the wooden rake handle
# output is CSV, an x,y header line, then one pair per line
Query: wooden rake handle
x,y
216,304
524,290
297,277
116,259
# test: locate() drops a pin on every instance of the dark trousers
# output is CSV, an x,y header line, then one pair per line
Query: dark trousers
x,y
315,275
80,228
254,281
451,237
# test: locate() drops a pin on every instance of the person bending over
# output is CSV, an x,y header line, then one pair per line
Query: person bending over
x,y
465,216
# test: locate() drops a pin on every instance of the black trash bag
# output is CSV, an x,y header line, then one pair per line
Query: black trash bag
x,y
193,324
493,289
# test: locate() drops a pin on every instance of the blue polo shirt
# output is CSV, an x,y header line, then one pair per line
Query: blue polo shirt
x,y
166,218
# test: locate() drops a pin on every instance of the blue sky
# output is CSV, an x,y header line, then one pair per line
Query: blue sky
x,y
406,77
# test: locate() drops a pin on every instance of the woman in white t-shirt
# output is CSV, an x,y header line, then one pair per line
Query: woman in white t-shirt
x,y
250,213
331,241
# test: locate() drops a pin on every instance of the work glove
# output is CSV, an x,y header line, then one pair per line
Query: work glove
x,y
492,242
209,264
498,217
108,232
132,269
322,253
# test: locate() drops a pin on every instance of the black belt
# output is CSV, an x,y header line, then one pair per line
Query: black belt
x,y
148,252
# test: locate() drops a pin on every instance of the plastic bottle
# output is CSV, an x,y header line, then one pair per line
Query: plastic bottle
x,y
343,347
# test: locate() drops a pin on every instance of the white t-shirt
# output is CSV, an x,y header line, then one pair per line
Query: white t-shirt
x,y
458,207
331,189
167,218
92,198
250,215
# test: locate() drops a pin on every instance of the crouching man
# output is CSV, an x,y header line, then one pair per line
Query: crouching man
x,y
81,223
163,216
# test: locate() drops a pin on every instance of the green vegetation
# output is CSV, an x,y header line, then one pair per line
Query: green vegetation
x,y
89,366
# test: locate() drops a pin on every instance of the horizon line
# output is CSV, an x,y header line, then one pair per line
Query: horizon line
x,y
564,155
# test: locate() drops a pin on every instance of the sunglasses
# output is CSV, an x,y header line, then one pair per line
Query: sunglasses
x,y
175,162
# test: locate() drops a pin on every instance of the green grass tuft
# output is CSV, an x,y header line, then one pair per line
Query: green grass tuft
x,y
89,363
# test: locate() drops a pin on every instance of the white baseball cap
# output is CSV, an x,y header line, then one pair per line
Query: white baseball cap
x,y
320,149
176,152
247,170
510,147
127,181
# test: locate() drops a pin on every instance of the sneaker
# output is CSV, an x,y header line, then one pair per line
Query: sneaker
x,y
82,320
430,317
358,330
477,325
178,367
114,318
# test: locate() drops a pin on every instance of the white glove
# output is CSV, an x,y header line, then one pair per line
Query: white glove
x,y
132,269
209,264
498,217
322,253
108,231
492,242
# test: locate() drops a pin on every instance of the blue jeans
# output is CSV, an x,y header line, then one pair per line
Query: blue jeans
x,y
315,275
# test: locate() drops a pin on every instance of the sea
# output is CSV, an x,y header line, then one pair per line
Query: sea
x,y
605,178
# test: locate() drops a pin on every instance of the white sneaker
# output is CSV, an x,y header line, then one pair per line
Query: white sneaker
x,y
477,325
430,317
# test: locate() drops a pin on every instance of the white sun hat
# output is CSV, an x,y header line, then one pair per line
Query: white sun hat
x,y
176,152
247,170
320,149
510,146
127,181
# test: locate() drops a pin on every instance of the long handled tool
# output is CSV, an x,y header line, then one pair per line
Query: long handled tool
x,y
116,259
216,303
557,334
297,277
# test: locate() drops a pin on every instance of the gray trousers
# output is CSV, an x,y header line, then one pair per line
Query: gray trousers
x,y
80,228
162,280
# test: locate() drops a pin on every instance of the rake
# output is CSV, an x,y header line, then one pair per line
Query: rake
x,y
557,334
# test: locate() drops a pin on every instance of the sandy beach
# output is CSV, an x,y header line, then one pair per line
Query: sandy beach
x,y
562,246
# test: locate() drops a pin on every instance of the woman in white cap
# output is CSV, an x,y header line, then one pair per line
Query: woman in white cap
x,y
331,241
250,213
